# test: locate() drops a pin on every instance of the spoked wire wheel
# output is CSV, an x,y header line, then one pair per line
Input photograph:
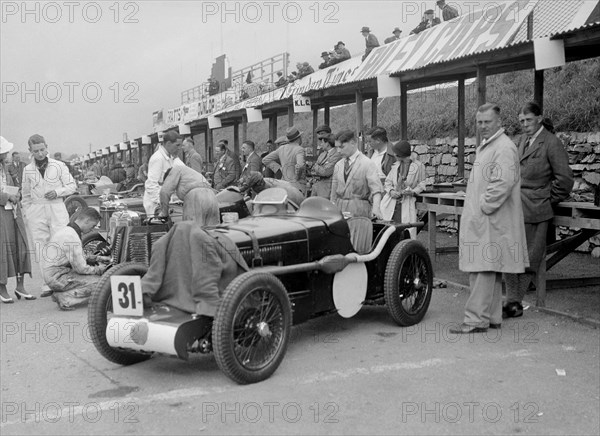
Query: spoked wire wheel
x,y
408,282
252,327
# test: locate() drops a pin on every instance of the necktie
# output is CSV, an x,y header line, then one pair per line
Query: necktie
x,y
346,169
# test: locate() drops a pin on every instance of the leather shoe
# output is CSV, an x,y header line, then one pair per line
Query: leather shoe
x,y
495,326
512,310
466,328
46,293
24,295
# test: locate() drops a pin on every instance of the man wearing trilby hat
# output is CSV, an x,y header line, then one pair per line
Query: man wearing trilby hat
x,y
370,41
395,36
291,158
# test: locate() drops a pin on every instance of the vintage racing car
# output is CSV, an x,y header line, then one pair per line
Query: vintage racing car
x,y
302,265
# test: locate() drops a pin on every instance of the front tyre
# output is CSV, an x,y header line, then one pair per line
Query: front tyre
x,y
100,310
252,327
408,282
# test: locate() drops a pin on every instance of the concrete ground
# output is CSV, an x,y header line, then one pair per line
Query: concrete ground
x,y
539,374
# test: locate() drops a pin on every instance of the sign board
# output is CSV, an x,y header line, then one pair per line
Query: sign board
x,y
388,86
301,104
254,115
548,53
214,122
123,146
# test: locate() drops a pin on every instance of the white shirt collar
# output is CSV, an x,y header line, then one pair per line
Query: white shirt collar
x,y
494,136
536,134
353,158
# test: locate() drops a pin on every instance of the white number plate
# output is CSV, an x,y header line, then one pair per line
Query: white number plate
x,y
127,295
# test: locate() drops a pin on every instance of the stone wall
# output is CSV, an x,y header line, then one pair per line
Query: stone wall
x,y
440,157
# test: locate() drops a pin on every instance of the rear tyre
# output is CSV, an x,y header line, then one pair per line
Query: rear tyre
x,y
408,282
252,327
100,311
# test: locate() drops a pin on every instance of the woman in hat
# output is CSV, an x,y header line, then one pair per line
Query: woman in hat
x,y
405,179
13,237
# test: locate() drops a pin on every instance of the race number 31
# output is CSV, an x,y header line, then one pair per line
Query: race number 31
x,y
127,295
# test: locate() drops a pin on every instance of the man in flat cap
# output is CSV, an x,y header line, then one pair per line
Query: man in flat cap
x,y
427,22
165,157
371,41
291,158
395,37
448,12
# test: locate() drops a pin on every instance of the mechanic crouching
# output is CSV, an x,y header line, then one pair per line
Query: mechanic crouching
x,y
67,270
190,268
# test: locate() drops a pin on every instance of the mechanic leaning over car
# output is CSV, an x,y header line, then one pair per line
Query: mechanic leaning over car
x,y
183,181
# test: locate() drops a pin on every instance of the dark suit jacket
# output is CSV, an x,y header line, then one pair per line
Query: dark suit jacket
x,y
16,172
253,163
225,173
388,160
546,178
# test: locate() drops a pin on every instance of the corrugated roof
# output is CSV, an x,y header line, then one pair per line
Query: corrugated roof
x,y
493,29
556,16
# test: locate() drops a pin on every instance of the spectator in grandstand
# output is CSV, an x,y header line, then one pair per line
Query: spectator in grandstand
x,y
396,36
326,59
448,12
213,86
304,70
370,41
427,22
281,80
340,54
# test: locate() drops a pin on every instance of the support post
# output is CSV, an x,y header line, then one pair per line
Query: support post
x,y
209,145
374,111
315,113
326,114
461,128
538,88
244,127
273,128
236,138
291,115
359,119
404,111
481,91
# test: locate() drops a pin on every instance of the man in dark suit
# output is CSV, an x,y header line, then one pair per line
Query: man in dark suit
x,y
253,160
225,173
448,12
370,41
15,169
546,179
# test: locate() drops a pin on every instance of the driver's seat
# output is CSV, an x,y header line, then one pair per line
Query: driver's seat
x,y
361,233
